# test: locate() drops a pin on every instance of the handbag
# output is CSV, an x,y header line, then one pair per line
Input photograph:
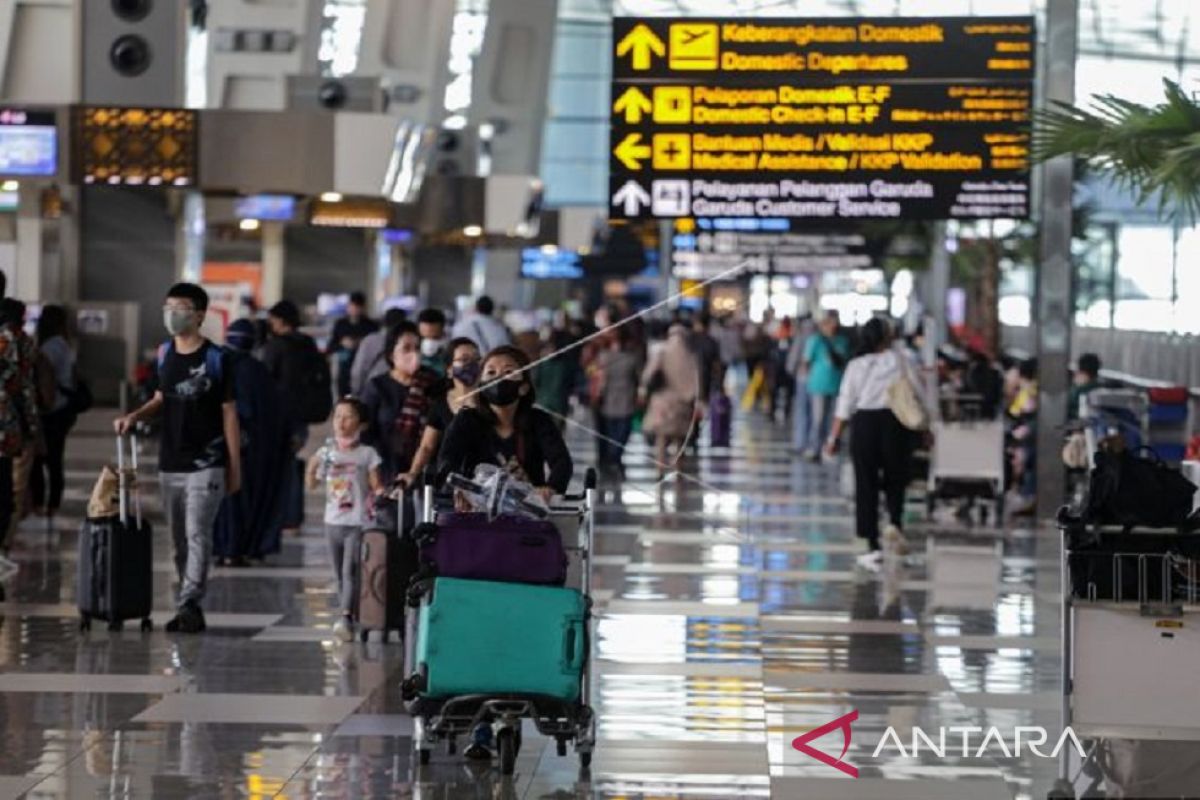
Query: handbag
x,y
904,401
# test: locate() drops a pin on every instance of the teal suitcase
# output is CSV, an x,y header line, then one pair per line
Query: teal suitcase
x,y
481,637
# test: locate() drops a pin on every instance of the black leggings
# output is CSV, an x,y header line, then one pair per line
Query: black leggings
x,y
881,449
46,480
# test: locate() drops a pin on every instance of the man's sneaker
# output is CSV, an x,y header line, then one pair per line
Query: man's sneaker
x,y
871,561
893,539
190,619
343,630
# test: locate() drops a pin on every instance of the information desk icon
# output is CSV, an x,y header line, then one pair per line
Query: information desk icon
x,y
693,45
670,198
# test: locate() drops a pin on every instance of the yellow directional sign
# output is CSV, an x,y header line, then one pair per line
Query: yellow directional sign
x,y
641,42
694,45
672,104
672,151
630,150
633,104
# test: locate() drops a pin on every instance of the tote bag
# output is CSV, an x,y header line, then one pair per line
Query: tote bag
x,y
904,401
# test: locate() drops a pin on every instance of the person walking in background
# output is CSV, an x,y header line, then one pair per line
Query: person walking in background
x,y
671,390
249,524
880,447
1085,380
371,359
826,354
803,440
302,375
458,391
620,367
39,371
756,345
47,481
200,448
348,333
20,421
431,324
399,403
482,328
729,342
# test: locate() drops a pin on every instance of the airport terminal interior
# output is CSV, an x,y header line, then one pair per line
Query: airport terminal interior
x,y
622,399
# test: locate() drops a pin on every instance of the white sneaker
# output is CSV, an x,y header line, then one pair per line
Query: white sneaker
x,y
893,539
343,631
871,561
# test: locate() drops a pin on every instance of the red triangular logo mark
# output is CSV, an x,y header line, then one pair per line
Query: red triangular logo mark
x,y
800,743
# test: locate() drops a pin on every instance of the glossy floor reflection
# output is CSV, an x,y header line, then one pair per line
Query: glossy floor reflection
x,y
731,620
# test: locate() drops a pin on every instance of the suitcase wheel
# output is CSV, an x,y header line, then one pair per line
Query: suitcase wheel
x,y
116,625
506,744
147,625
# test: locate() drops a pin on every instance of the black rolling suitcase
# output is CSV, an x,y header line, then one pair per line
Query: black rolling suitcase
x,y
116,557
387,563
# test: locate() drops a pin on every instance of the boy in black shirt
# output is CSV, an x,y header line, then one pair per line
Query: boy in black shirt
x,y
200,445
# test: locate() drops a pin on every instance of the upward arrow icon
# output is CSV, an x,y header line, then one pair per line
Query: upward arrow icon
x,y
642,43
631,197
633,104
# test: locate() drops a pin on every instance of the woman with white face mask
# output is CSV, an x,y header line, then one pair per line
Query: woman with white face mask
x,y
399,402
457,392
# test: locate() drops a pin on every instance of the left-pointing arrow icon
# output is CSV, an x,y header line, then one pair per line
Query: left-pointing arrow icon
x,y
631,197
633,104
630,150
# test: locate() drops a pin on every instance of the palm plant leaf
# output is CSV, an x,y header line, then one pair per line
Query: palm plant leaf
x,y
1153,151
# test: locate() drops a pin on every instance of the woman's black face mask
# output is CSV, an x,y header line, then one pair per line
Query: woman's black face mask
x,y
502,392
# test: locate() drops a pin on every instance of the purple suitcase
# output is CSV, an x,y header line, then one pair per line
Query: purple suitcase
x,y
720,418
508,549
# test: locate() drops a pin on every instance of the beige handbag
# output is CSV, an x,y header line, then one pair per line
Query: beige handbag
x,y
904,401
105,499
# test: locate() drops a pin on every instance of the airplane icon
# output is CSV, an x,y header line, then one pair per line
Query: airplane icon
x,y
694,46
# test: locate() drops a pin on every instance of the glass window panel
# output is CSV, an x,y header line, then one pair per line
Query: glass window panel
x,y
1145,258
1187,281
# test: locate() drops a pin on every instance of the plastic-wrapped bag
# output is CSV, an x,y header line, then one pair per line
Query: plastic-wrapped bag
x,y
494,491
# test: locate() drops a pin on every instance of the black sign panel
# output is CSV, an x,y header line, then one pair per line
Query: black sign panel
x,y
822,120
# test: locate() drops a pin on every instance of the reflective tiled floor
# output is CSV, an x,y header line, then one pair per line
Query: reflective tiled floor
x,y
731,620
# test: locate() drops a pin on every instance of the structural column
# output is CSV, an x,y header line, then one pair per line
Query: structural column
x,y
273,257
1055,299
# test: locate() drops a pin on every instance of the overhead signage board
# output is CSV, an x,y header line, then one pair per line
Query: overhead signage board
x,y
821,119
705,254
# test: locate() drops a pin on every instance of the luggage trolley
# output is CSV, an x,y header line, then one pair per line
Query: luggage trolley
x,y
967,460
445,719
1131,637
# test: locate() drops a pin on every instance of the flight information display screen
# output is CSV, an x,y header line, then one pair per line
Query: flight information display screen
x,y
28,143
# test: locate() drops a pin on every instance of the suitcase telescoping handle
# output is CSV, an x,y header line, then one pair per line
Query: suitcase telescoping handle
x,y
123,479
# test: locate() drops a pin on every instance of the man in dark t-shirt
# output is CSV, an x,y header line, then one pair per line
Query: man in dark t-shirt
x,y
200,445
348,333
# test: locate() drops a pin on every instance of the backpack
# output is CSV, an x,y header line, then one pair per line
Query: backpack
x,y
1130,490
314,384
